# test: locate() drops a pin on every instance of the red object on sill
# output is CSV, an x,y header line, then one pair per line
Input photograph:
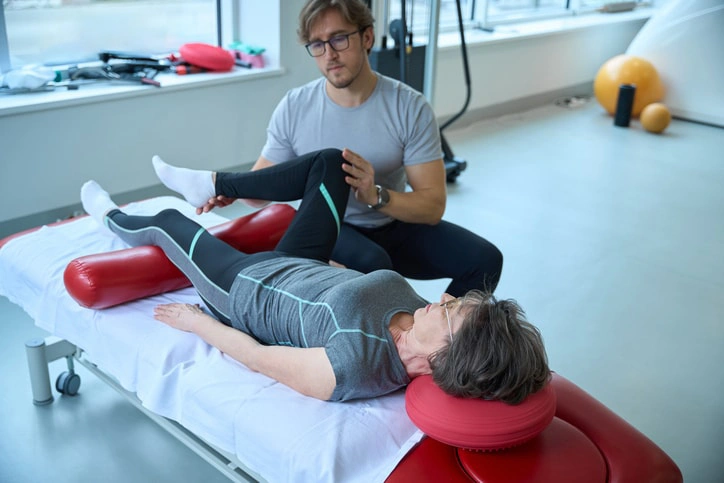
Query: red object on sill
x,y
207,56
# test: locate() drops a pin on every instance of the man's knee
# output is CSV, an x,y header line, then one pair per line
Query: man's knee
x,y
371,261
480,269
495,259
365,259
489,269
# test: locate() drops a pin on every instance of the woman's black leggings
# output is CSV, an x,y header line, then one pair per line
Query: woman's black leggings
x,y
212,265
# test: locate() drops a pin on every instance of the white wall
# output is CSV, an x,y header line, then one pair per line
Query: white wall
x,y
506,71
46,155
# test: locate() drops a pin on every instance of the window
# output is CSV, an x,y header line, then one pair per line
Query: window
x,y
488,13
71,31
417,13
516,10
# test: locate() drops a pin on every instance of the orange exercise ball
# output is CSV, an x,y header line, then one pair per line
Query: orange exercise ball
x,y
655,117
627,69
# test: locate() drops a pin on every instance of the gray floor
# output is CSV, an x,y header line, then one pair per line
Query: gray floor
x,y
614,245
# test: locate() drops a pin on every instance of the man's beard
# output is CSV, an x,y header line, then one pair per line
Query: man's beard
x,y
343,82
340,84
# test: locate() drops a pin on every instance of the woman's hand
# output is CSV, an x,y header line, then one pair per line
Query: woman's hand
x,y
184,317
306,370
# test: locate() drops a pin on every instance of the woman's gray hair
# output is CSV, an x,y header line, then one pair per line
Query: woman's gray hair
x,y
497,354
355,12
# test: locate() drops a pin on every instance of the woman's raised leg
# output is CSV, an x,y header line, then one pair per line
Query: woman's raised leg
x,y
315,178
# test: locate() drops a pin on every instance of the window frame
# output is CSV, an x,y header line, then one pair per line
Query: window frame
x,y
4,48
227,26
262,23
476,15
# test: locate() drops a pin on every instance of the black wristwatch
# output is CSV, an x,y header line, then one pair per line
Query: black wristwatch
x,y
383,197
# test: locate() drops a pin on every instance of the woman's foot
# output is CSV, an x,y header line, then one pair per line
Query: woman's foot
x,y
96,201
197,186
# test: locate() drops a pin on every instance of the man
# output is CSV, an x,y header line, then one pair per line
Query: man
x,y
390,139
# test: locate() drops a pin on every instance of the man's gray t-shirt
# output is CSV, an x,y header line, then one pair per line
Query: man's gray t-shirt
x,y
395,127
306,303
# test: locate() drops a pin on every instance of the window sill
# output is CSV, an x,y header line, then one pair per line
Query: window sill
x,y
541,28
11,104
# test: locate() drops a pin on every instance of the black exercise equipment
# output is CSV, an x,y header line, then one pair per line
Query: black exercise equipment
x,y
406,62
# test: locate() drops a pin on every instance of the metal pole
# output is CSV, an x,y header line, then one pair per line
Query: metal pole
x,y
380,11
431,53
219,39
402,47
4,46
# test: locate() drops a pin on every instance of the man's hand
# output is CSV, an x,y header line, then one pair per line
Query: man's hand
x,y
361,177
215,202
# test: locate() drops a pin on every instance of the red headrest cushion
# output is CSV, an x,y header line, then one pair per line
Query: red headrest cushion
x,y
103,280
475,423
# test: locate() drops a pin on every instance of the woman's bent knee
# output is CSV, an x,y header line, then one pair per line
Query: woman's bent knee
x,y
169,215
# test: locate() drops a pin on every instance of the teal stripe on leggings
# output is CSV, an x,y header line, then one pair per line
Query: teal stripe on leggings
x,y
194,241
332,208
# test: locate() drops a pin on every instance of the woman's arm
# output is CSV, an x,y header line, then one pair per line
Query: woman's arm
x,y
306,370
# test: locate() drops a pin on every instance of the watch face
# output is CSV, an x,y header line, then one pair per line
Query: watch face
x,y
384,196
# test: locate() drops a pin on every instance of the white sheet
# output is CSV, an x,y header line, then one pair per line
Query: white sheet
x,y
274,431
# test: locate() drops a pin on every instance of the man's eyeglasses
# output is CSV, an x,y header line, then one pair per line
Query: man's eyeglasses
x,y
338,43
450,304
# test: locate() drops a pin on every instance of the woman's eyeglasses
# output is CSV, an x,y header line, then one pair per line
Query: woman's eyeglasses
x,y
449,304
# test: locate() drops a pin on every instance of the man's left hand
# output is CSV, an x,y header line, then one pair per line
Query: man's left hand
x,y
361,177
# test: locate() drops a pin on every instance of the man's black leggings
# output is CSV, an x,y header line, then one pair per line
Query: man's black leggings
x,y
212,265
423,252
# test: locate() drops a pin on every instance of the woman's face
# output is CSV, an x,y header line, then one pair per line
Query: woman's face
x,y
435,324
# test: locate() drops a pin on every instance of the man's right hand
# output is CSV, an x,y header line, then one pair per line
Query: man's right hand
x,y
215,202
221,201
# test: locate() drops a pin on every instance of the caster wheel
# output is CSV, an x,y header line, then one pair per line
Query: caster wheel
x,y
68,383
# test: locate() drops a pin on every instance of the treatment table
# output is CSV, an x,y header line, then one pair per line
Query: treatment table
x,y
253,428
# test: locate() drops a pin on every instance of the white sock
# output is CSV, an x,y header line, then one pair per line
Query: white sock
x,y
196,186
96,201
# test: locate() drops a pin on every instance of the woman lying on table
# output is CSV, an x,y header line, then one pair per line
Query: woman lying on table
x,y
330,333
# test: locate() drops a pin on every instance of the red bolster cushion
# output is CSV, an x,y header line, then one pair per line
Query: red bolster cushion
x,y
103,280
477,424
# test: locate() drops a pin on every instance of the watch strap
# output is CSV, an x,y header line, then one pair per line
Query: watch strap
x,y
383,198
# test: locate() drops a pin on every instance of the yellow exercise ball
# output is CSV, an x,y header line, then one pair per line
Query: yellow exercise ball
x,y
627,69
655,117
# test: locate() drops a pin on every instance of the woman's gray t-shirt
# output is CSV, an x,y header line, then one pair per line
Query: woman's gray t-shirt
x,y
306,303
